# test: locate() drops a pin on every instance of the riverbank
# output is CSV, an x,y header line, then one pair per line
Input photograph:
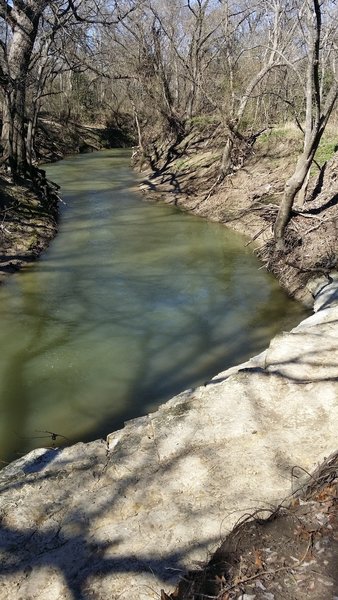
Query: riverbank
x,y
130,515
247,201
275,557
28,223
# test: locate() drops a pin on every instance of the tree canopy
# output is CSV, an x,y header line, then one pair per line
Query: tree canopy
x,y
240,65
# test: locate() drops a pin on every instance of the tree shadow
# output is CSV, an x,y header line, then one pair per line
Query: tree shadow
x,y
123,518
83,548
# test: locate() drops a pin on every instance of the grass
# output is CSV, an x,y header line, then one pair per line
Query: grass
x,y
288,131
327,148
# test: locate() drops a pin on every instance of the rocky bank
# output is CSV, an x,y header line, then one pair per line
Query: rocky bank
x,y
124,517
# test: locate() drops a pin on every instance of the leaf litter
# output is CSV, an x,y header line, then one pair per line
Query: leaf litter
x,y
291,555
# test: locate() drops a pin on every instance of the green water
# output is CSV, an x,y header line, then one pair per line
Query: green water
x,y
132,303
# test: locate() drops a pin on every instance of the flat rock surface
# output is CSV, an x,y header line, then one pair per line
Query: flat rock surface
x,y
123,518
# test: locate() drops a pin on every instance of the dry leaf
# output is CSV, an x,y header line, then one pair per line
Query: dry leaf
x,y
258,560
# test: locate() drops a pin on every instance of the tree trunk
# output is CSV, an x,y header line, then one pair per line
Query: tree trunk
x,y
303,191
24,24
30,135
292,187
226,163
315,122
7,128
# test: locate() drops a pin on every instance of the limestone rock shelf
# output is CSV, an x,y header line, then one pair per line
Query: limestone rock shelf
x,y
123,518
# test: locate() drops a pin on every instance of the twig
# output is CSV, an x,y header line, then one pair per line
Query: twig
x,y
320,224
258,234
217,182
306,215
3,228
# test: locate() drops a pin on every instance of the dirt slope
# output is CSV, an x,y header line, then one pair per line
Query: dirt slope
x,y
28,221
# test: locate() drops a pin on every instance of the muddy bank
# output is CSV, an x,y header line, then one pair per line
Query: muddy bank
x,y
247,201
56,140
28,222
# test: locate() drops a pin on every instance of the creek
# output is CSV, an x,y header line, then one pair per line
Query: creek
x,y
132,303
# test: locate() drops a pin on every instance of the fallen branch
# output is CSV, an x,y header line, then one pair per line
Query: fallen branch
x,y
304,214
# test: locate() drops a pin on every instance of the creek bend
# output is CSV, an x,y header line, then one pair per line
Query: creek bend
x,y
131,304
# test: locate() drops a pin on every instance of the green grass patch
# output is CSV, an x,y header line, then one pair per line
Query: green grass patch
x,y
326,150
284,132
180,164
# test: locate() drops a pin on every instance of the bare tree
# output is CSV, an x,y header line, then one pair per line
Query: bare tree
x,y
263,48
22,22
319,105
19,65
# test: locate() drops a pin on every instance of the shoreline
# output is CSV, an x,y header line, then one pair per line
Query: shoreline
x,y
247,201
29,224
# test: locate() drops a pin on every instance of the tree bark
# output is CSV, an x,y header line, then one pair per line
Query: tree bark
x,y
24,21
291,189
315,122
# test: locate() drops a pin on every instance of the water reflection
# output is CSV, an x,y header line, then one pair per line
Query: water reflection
x,y
132,304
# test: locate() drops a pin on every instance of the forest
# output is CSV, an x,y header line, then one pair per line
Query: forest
x,y
230,69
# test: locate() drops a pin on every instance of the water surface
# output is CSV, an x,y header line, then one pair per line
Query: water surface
x,y
132,303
